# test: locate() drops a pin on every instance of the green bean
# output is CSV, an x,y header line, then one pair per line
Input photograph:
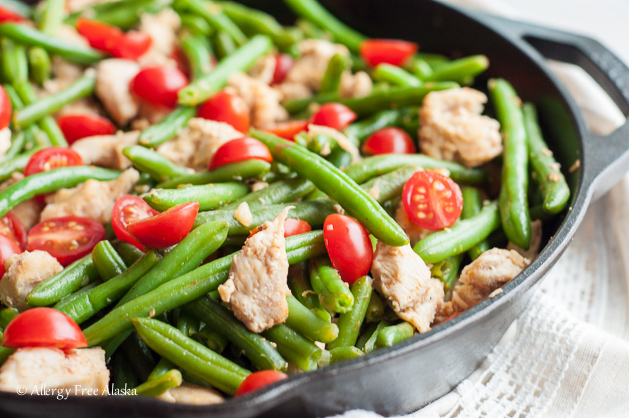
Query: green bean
x,y
197,50
5,352
18,141
209,196
214,15
167,128
472,205
344,353
241,60
15,164
337,185
14,62
139,355
158,385
332,77
191,356
196,25
447,270
48,105
360,131
301,289
107,261
278,192
538,213
53,45
48,124
395,75
71,298
375,309
19,7
514,211
350,322
242,170
6,316
294,347
52,17
307,323
340,158
334,294
40,65
390,185
366,334
312,11
129,253
212,339
187,323
460,69
223,44
123,375
163,366
420,68
551,181
460,237
394,334
158,166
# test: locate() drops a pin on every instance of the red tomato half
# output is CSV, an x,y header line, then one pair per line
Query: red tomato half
x,y
288,130
159,85
75,127
8,247
334,115
51,158
228,108
7,16
11,226
110,39
295,227
239,150
431,200
387,51
127,209
67,238
348,245
43,327
258,380
283,64
389,141
133,46
5,109
167,228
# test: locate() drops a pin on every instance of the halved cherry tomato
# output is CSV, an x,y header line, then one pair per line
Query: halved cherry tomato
x,y
387,51
431,200
11,226
389,141
226,107
239,150
67,238
5,109
127,209
182,61
283,64
7,15
8,247
348,245
288,130
51,158
159,85
75,127
43,327
110,39
291,227
167,228
334,115
258,380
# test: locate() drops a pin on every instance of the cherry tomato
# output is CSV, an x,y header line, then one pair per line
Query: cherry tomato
x,y
7,16
239,150
8,247
182,61
51,158
75,127
431,200
5,109
283,64
67,238
127,209
11,226
387,51
288,130
334,115
159,85
295,227
389,141
43,327
110,39
226,107
348,245
167,228
133,46
258,380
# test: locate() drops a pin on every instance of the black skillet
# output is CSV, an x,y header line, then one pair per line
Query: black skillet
x,y
410,375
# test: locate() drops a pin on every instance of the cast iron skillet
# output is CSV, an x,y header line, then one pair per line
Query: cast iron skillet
x,y
405,377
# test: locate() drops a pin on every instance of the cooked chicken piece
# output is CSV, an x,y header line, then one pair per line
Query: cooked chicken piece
x,y
313,60
453,129
195,145
112,88
106,150
293,91
69,34
536,242
23,273
26,212
256,289
5,140
491,270
341,139
162,27
263,69
77,5
64,72
355,85
190,394
263,101
403,278
414,232
76,372
92,199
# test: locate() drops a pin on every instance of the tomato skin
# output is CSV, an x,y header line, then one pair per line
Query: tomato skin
x,y
387,51
258,380
295,227
67,238
348,245
228,108
127,209
5,109
240,149
8,16
133,46
112,40
43,327
334,115
288,130
432,201
8,247
167,228
159,85
79,126
51,158
389,141
283,64
11,226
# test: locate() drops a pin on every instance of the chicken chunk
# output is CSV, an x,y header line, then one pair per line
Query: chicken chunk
x,y
106,150
5,140
536,242
256,289
493,269
355,85
314,55
263,101
453,129
112,88
403,278
197,143
78,5
190,394
92,199
414,232
162,27
26,212
23,273
263,69
76,372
